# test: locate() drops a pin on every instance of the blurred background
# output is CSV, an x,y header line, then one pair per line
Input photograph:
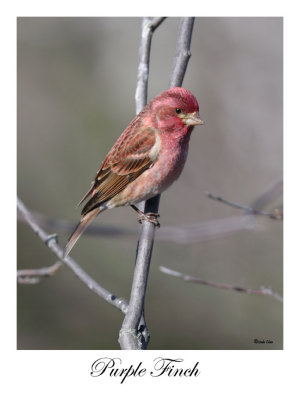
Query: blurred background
x,y
76,86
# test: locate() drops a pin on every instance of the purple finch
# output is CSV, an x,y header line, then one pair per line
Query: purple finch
x,y
146,159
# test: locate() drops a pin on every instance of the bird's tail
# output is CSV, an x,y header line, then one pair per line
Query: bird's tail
x,y
80,228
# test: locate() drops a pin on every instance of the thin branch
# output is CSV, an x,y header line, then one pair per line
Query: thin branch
x,y
149,25
51,242
128,335
183,52
276,214
263,291
32,276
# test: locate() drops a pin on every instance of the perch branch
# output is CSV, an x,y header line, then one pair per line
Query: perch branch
x,y
129,332
263,291
134,334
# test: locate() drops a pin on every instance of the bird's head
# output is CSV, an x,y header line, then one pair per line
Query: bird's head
x,y
176,110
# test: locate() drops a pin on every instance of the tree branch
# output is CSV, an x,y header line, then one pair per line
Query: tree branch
x,y
134,334
277,214
51,242
149,25
128,335
183,52
263,291
32,276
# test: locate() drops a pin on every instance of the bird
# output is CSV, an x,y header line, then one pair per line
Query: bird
x,y
145,160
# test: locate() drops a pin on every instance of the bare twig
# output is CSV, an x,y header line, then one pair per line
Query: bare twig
x,y
51,242
141,93
183,52
31,276
276,214
128,334
263,291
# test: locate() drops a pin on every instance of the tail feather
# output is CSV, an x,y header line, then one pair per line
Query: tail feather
x,y
86,195
80,228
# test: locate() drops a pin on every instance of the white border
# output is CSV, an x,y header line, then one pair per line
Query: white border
x,y
224,374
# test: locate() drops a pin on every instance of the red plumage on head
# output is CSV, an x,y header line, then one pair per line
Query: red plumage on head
x,y
180,96
163,111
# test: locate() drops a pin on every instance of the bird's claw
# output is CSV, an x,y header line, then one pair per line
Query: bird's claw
x,y
150,217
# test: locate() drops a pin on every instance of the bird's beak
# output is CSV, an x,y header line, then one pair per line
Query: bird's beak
x,y
192,119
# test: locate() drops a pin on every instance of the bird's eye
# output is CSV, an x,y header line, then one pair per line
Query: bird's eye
x,y
178,110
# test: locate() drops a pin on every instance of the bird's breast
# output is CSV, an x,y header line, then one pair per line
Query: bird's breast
x,y
165,170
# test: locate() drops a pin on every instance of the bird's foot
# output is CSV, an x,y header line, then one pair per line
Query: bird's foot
x,y
150,217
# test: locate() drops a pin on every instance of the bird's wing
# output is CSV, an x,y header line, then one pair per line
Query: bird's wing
x,y
128,159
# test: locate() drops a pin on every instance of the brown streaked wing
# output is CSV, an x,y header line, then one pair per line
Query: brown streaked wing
x,y
123,165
